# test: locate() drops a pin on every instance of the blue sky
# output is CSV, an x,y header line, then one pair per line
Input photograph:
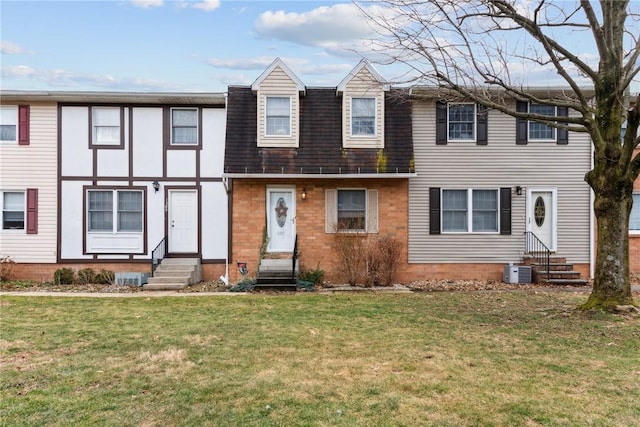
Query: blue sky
x,y
181,45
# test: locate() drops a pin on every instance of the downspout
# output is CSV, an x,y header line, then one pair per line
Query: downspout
x,y
225,278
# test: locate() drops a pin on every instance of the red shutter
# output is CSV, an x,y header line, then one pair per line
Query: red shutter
x,y
32,211
23,125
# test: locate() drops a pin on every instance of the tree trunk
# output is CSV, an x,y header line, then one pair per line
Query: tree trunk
x,y
612,207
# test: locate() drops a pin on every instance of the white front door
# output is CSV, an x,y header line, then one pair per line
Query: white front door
x,y
183,221
281,219
542,216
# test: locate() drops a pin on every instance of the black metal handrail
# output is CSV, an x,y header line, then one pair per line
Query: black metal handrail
x,y
294,257
158,254
538,250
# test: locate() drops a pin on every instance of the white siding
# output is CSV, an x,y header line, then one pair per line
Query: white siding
x,y
147,142
363,84
71,228
278,83
76,157
214,221
213,134
33,166
181,163
501,163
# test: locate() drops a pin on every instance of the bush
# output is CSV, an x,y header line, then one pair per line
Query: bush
x,y
106,277
6,267
86,276
384,256
314,276
245,285
64,276
351,251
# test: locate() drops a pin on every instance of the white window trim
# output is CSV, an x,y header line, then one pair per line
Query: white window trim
x,y
529,122
10,111
375,117
635,232
174,144
22,230
475,123
288,135
114,208
94,127
366,211
469,211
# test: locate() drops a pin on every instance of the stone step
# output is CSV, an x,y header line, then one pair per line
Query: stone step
x,y
558,275
158,280
180,261
164,286
564,282
553,267
174,273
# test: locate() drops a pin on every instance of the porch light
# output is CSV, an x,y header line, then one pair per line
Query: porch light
x,y
156,185
303,196
518,190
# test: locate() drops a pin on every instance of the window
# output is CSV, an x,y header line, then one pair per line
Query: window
x,y
102,211
9,123
13,209
462,125
540,131
184,126
634,219
363,116
483,205
106,125
278,116
352,208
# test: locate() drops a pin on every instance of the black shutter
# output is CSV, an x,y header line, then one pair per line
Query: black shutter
x,y
563,134
522,128
434,210
505,211
441,122
482,138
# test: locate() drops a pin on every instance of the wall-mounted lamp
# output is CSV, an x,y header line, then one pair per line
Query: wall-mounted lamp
x,y
303,196
518,190
156,185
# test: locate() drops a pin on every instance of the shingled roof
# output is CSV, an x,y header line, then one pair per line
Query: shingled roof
x,y
320,150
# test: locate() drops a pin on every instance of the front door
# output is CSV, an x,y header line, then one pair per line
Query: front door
x,y
281,216
183,221
542,217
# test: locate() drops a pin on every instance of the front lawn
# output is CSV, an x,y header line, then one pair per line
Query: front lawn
x,y
459,358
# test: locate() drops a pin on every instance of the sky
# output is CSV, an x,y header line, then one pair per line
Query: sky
x,y
177,45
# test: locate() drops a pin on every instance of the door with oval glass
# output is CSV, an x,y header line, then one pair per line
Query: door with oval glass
x,y
281,216
541,216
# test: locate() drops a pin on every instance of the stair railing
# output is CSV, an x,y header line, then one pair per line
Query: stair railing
x,y
537,250
158,254
294,258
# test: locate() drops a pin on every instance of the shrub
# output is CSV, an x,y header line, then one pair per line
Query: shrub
x,y
86,276
351,250
387,254
245,285
6,267
314,276
106,277
64,276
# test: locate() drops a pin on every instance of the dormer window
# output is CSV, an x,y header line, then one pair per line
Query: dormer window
x,y
363,116
278,112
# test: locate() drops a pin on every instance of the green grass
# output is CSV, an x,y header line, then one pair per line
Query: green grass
x,y
442,359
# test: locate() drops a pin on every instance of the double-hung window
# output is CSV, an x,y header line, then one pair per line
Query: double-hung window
x,y
184,126
634,219
363,116
470,211
9,123
541,131
123,205
13,210
106,125
352,210
278,112
462,122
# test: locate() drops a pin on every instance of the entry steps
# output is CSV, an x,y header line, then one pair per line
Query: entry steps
x,y
175,274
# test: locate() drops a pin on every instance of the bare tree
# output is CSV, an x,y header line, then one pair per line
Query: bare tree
x,y
485,51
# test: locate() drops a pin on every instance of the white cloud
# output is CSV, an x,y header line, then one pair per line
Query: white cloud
x,y
9,48
207,5
146,4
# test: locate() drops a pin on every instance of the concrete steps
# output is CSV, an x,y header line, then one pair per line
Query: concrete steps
x,y
560,272
276,274
175,274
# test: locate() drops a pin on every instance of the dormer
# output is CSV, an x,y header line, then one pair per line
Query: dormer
x,y
363,107
278,92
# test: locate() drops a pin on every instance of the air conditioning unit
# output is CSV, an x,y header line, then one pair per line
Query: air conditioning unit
x,y
132,279
517,274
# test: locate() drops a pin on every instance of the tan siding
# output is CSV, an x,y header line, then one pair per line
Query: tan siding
x,y
363,84
278,83
499,164
33,166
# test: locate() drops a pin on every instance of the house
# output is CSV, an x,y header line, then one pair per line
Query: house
x,y
28,141
124,179
634,228
487,183
303,163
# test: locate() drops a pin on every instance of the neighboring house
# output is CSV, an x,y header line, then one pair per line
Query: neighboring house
x,y
28,197
303,163
484,179
132,171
